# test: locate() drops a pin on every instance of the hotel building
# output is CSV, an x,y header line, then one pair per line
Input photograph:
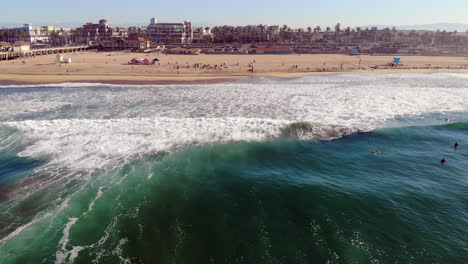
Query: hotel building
x,y
168,33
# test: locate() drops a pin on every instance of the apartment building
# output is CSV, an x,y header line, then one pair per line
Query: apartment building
x,y
177,33
102,30
202,35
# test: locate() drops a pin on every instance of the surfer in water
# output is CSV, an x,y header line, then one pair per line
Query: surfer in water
x,y
375,152
456,145
442,161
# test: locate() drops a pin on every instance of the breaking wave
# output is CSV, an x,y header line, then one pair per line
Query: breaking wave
x,y
94,173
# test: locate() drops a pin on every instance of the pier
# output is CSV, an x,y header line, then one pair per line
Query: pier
x,y
38,52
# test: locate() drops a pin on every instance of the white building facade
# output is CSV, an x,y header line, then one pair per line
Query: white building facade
x,y
179,33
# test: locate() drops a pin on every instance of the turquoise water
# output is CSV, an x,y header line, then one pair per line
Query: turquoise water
x,y
280,199
274,202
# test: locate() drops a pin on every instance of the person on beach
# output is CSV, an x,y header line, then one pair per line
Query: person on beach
x,y
442,161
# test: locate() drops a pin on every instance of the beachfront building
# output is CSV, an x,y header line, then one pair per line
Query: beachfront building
x,y
137,32
38,36
61,37
202,35
27,33
21,47
246,34
102,30
5,46
139,44
170,33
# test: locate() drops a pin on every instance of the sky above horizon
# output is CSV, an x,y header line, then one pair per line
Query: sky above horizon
x,y
295,13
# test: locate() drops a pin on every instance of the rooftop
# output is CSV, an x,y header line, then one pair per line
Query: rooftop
x,y
170,24
21,43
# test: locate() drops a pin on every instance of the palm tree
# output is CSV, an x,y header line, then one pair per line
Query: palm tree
x,y
338,28
283,32
348,31
337,31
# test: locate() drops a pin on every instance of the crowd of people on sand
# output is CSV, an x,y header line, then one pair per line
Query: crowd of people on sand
x,y
251,66
176,66
201,66
289,67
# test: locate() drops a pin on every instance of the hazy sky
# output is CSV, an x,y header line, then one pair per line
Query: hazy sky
x,y
239,12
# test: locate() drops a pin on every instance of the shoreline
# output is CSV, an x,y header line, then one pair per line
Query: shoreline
x,y
33,79
4,82
113,67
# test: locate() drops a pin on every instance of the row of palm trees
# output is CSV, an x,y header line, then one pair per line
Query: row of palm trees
x,y
274,34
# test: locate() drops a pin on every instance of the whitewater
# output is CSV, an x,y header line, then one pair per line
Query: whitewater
x,y
79,135
106,122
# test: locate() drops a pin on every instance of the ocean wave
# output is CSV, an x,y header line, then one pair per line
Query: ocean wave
x,y
91,126
311,131
463,126
100,173
59,85
81,144
290,199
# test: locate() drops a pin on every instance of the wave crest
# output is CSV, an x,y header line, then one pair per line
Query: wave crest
x,y
311,131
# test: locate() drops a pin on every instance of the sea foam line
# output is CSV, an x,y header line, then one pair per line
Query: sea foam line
x,y
91,144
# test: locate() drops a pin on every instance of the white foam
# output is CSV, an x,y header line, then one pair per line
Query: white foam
x,y
88,128
85,129
58,85
24,227
98,195
90,144
61,255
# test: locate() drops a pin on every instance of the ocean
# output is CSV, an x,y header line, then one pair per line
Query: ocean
x,y
319,169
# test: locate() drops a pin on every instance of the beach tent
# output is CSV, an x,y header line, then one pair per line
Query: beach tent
x,y
396,60
134,60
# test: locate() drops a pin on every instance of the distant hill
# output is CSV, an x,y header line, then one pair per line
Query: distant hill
x,y
433,27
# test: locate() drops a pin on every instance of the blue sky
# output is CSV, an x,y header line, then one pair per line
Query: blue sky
x,y
239,12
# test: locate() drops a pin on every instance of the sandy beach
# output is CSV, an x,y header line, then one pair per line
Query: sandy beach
x,y
113,67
